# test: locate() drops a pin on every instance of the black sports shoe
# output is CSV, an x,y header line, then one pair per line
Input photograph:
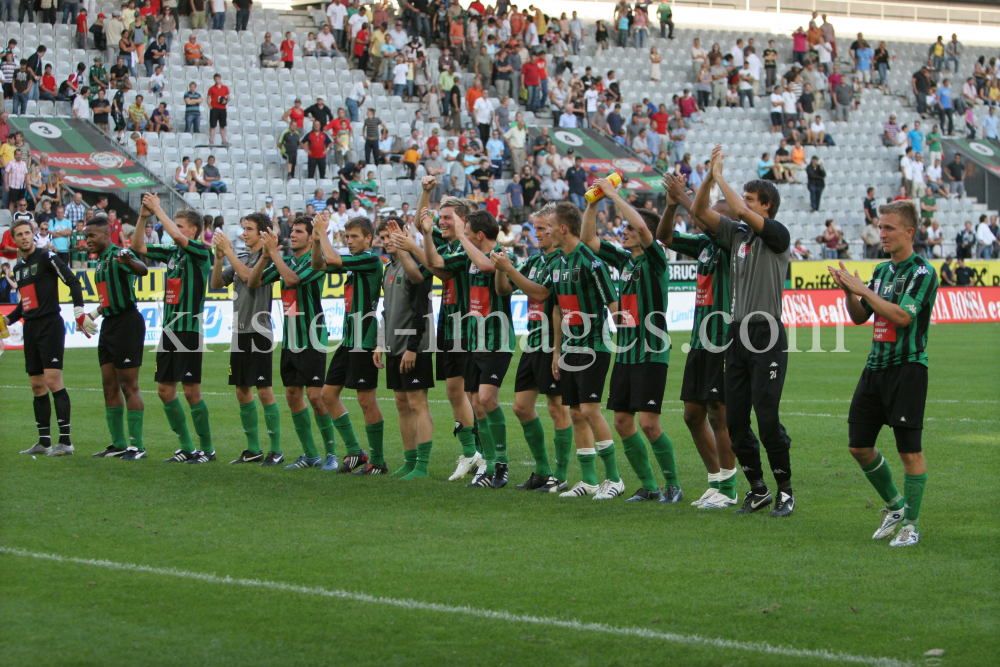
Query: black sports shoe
x,y
201,457
645,494
273,459
754,501
500,476
482,479
133,454
248,457
552,485
352,461
534,482
109,453
180,456
672,494
785,504
371,469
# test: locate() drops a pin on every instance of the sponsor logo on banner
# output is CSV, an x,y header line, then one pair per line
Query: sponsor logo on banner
x,y
954,305
815,275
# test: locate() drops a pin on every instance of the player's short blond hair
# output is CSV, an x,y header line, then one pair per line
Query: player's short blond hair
x,y
904,209
460,206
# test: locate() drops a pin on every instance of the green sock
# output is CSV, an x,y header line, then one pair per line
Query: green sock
x,y
272,419
116,425
135,429
468,440
375,433
588,465
727,482
563,442
303,428
178,423
663,450
914,487
346,431
409,462
326,431
534,435
638,458
880,476
714,480
498,429
423,459
607,454
199,415
248,416
486,441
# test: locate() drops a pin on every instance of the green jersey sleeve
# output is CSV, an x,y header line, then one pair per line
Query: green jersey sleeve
x,y
197,251
689,244
601,278
364,262
160,253
920,294
612,255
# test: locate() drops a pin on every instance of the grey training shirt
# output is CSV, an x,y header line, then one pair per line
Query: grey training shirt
x,y
405,325
248,302
758,269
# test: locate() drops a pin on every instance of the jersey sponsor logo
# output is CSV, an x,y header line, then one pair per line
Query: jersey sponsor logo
x,y
704,295
911,308
531,274
922,271
885,331
28,299
629,307
576,272
290,301
173,293
570,306
535,311
348,297
479,300
900,285
744,250
448,293
593,265
102,294
876,285
887,290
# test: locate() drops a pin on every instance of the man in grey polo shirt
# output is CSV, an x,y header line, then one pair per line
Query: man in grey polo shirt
x,y
405,337
250,355
756,346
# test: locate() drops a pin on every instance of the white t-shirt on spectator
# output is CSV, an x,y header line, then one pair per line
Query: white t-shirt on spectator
x,y
918,172
737,54
483,111
399,73
218,6
337,14
81,107
590,97
745,85
933,174
326,39
906,164
399,38
776,99
818,127
825,53
755,65
355,22
790,101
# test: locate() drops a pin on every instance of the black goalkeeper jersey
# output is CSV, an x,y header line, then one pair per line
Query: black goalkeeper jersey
x,y
38,277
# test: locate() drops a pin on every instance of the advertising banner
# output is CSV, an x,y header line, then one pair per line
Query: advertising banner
x,y
954,305
597,150
815,275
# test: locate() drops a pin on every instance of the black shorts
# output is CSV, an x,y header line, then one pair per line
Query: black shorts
x,y
44,343
421,377
892,396
485,368
251,362
122,339
704,375
216,117
637,387
179,366
450,364
585,385
534,371
353,370
303,368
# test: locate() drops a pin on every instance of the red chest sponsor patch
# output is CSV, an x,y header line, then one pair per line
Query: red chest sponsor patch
x,y
102,294
348,297
479,300
884,331
569,304
173,295
534,311
704,296
628,306
290,301
448,293
28,300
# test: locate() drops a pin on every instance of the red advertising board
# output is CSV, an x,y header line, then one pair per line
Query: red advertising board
x,y
954,305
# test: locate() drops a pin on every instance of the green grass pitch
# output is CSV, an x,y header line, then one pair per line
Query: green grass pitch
x,y
606,583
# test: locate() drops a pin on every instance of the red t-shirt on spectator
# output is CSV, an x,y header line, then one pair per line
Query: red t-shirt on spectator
x,y
48,82
687,106
81,24
661,120
297,115
115,228
287,51
335,125
8,240
493,206
214,94
529,74
432,144
542,74
317,142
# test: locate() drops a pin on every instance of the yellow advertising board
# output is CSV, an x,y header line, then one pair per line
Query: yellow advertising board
x,y
815,275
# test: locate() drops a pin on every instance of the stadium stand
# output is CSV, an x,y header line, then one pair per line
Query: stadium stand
x,y
254,169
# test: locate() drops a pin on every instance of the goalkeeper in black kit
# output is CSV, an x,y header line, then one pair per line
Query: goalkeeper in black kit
x,y
38,273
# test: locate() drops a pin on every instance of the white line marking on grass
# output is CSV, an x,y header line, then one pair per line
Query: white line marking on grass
x,y
789,414
416,605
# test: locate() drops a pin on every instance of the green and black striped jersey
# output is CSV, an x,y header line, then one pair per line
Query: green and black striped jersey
x,y
454,298
115,282
583,288
301,305
539,314
643,283
186,282
361,292
912,285
489,312
713,294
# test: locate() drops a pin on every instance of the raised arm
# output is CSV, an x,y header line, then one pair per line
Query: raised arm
x,y
735,201
631,215
139,234
323,253
408,247
588,231
500,283
701,208
217,281
675,197
152,202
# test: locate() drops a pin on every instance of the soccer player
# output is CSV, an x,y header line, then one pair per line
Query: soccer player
x,y
123,335
250,359
893,386
37,273
639,377
405,338
490,331
757,348
584,294
452,339
703,389
353,365
303,344
534,370
179,353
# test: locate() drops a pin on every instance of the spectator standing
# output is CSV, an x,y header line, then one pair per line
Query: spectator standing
x,y
985,239
218,14
370,131
955,174
316,145
666,15
843,96
218,98
953,53
921,83
243,8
